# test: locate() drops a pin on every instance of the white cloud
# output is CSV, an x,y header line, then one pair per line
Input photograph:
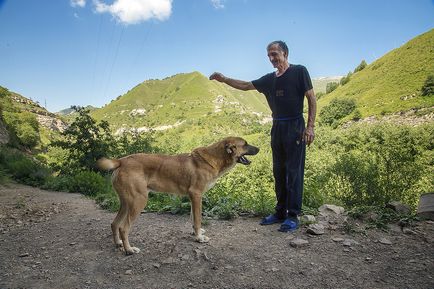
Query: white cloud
x,y
218,4
136,11
78,3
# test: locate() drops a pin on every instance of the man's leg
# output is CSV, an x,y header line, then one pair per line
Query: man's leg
x,y
295,156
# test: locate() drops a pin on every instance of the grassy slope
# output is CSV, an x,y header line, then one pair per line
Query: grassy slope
x,y
380,87
186,96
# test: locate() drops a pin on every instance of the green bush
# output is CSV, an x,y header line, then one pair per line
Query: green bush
x,y
24,126
23,168
372,165
361,66
331,86
344,80
337,109
428,86
88,183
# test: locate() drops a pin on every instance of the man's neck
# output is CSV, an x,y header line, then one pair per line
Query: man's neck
x,y
281,69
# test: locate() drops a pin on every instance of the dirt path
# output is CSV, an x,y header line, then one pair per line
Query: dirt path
x,y
60,240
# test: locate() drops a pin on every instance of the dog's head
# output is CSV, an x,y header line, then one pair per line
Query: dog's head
x,y
238,148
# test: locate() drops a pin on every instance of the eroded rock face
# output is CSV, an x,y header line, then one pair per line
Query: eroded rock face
x,y
51,123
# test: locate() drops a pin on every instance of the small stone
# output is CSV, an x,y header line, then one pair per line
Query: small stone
x,y
24,255
156,265
315,229
337,239
408,231
350,242
298,242
129,272
307,219
385,241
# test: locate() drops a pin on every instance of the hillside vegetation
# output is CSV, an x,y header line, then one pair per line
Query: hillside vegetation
x,y
392,83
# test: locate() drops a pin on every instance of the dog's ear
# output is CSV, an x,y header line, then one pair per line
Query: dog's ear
x,y
230,148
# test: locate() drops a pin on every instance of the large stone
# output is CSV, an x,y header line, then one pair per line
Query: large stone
x,y
315,229
426,206
399,207
331,209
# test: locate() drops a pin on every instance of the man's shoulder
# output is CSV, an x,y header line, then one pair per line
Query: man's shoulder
x,y
298,67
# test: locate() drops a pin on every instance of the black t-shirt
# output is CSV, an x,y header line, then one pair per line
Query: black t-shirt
x,y
285,94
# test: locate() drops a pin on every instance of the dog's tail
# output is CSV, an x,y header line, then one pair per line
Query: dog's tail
x,y
108,165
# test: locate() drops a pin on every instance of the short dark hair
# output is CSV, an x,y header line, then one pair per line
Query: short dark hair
x,y
282,45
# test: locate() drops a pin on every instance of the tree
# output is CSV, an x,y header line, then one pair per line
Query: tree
x,y
85,141
428,86
344,80
331,86
361,66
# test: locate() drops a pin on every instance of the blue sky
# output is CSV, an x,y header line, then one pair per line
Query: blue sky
x,y
79,52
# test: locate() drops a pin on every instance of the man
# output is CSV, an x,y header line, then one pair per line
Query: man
x,y
285,90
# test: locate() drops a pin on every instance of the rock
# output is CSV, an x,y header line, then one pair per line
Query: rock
x,y
337,239
315,229
350,242
385,241
399,207
129,272
24,255
408,231
156,265
426,206
331,209
298,242
307,219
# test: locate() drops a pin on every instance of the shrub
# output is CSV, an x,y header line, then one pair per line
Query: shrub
x,y
344,80
331,86
337,109
361,66
428,86
88,183
23,168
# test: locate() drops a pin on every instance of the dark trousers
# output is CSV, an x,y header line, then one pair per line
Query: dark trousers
x,y
288,165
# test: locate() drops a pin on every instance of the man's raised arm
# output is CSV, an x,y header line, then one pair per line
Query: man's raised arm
x,y
235,83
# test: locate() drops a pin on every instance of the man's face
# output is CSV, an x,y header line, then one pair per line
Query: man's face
x,y
276,55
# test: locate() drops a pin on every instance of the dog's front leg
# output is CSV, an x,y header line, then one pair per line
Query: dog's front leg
x,y
196,204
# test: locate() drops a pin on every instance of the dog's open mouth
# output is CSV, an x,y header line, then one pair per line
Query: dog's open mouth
x,y
243,160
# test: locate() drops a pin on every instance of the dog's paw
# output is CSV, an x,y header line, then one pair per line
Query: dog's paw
x,y
133,250
202,239
202,231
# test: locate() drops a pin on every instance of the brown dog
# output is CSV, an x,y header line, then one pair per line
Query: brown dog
x,y
185,174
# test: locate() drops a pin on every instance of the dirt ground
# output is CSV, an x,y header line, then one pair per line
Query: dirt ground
x,y
62,240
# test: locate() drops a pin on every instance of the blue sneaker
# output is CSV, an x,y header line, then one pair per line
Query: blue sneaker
x,y
271,219
289,225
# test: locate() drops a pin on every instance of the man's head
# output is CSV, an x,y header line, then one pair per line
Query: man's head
x,y
277,53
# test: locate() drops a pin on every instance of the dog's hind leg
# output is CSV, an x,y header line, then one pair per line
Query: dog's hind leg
x,y
116,224
135,206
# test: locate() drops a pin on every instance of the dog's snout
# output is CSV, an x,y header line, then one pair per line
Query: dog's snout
x,y
252,150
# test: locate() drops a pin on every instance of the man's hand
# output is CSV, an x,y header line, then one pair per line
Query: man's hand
x,y
308,135
217,76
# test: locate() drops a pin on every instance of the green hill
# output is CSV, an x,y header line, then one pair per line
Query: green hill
x,y
182,97
393,82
